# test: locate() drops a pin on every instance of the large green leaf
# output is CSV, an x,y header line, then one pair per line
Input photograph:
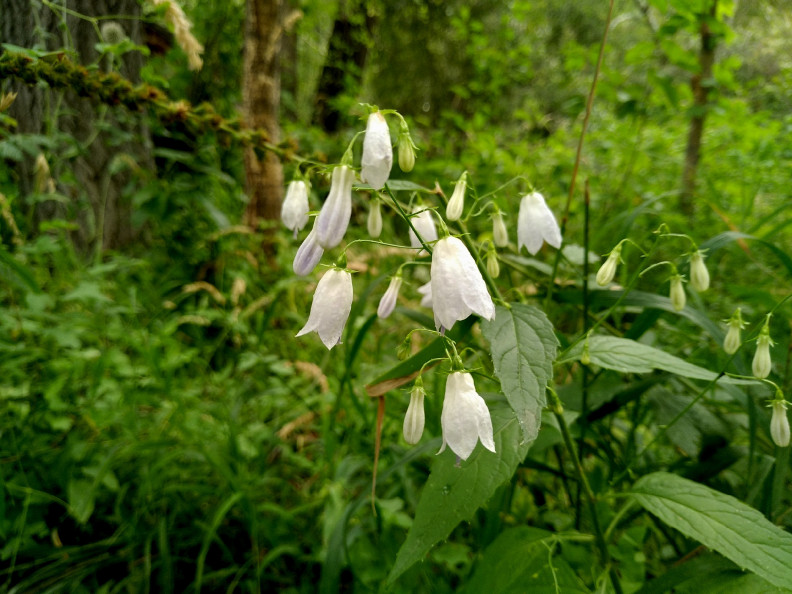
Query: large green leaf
x,y
521,560
628,356
720,522
454,492
523,350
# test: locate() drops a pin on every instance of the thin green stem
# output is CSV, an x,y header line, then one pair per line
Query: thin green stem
x,y
407,218
591,500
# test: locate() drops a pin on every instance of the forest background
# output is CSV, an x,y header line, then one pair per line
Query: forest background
x,y
161,429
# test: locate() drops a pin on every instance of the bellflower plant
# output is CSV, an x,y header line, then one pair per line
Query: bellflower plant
x,y
333,219
424,224
414,419
458,289
536,223
331,305
608,270
465,418
377,157
762,363
779,423
374,223
699,275
500,235
677,293
426,292
732,341
457,202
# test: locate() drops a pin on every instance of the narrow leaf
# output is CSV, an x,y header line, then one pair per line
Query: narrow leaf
x,y
523,350
720,522
454,493
628,356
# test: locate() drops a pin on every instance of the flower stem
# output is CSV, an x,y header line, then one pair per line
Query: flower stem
x,y
591,501
407,218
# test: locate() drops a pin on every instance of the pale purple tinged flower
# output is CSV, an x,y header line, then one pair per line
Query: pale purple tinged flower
x,y
308,255
458,289
333,219
465,418
377,158
330,308
536,223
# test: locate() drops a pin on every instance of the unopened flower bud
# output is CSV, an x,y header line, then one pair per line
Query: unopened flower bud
x,y
112,32
375,219
333,219
608,270
404,349
677,293
406,149
500,235
377,156
388,301
414,419
699,275
294,212
733,341
585,356
457,202
493,268
779,424
762,364
43,180
308,255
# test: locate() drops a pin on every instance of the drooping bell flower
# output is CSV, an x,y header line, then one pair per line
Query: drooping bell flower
x,y
414,419
333,219
536,223
457,202
500,235
407,148
308,255
425,226
732,341
294,211
330,308
374,222
493,267
465,418
458,289
377,159
608,270
388,301
762,363
779,424
677,293
699,275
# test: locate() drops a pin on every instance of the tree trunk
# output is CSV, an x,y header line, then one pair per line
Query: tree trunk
x,y
261,99
98,202
701,88
346,56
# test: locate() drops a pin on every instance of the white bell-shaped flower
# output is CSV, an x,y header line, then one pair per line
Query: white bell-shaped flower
x,y
608,270
677,293
500,235
414,419
374,222
331,305
425,226
458,289
426,292
333,219
536,223
762,363
465,418
699,275
457,202
779,424
377,159
388,301
294,211
308,255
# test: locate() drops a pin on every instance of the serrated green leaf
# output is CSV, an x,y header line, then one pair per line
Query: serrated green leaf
x,y
720,522
523,350
520,560
628,356
452,493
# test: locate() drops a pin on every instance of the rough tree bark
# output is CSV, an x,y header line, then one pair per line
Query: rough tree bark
x,y
261,100
698,83
98,202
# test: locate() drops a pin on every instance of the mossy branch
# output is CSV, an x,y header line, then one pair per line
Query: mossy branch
x,y
59,72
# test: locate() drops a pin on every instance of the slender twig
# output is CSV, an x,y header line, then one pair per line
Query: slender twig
x,y
589,104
